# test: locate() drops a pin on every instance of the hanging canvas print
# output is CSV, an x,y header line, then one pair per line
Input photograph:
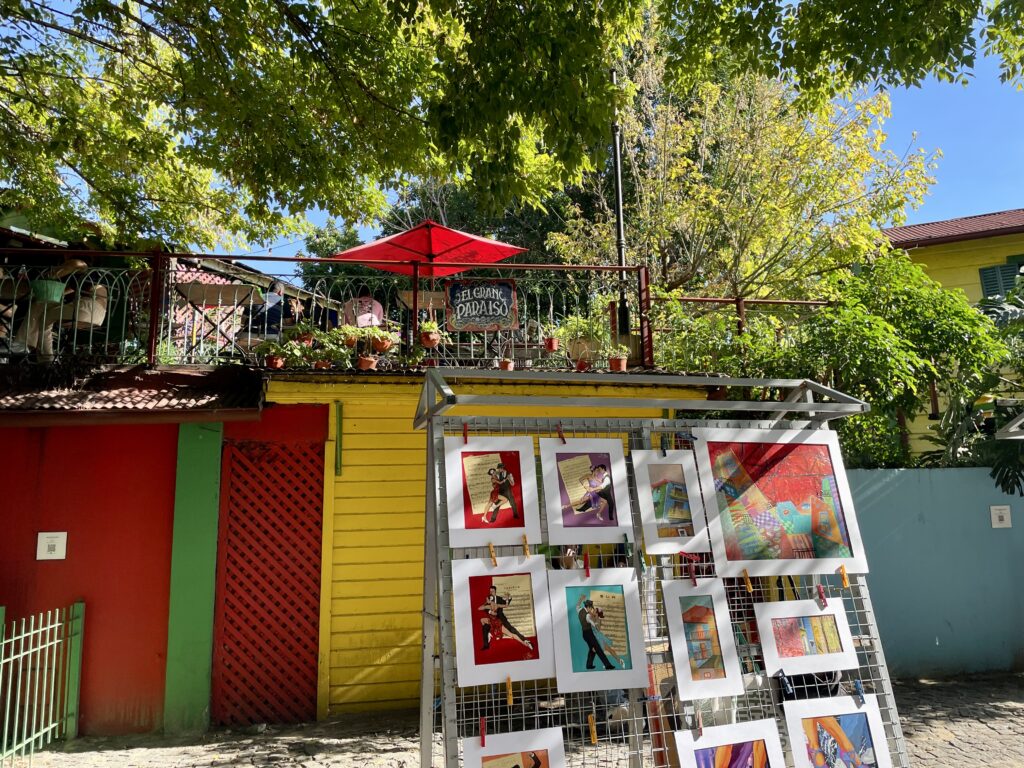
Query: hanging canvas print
x,y
543,748
800,636
586,496
753,744
492,491
502,620
703,646
778,502
837,733
671,507
599,639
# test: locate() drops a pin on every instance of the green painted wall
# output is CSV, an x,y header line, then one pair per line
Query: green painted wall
x,y
193,578
946,585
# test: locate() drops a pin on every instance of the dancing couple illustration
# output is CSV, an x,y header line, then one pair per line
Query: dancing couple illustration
x,y
598,497
599,645
494,625
501,493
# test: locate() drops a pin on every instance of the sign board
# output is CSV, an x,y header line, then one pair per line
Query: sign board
x,y
481,305
52,545
1001,516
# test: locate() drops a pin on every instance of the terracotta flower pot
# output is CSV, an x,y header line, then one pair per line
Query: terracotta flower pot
x,y
616,363
366,363
582,365
551,344
430,340
380,346
306,339
507,365
273,361
322,365
351,341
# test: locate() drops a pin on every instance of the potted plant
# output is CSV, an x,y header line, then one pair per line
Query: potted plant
x,y
431,334
322,358
583,335
380,339
272,353
507,364
551,340
617,355
366,362
349,334
302,333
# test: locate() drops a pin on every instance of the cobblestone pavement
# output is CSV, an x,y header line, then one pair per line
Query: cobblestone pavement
x,y
971,723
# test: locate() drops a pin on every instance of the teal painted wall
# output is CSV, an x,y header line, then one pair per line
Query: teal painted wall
x,y
193,578
947,588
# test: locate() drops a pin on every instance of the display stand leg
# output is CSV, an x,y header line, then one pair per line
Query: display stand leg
x,y
430,609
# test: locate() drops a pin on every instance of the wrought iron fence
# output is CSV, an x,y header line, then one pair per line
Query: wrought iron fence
x,y
40,672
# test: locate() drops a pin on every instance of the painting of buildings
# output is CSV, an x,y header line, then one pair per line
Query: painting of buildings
x,y
703,645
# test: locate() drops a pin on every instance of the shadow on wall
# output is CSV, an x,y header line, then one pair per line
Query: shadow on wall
x,y
944,582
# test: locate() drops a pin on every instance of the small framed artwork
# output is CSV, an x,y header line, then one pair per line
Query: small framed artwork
x,y
599,638
543,748
703,646
502,620
836,733
778,502
492,491
671,507
753,744
586,495
799,636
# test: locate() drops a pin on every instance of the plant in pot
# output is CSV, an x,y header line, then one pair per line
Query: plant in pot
x,y
366,361
431,334
583,335
381,339
321,357
272,353
302,333
617,355
551,339
349,335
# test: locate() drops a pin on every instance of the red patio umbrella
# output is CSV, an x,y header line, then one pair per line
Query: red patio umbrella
x,y
428,242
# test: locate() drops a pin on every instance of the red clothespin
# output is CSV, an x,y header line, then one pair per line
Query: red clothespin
x,y
844,577
494,556
747,583
561,434
586,564
483,731
821,596
526,546
691,567
465,432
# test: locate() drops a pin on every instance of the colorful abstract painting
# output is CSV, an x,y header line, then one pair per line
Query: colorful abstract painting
x,y
704,647
778,501
839,741
746,754
806,636
532,759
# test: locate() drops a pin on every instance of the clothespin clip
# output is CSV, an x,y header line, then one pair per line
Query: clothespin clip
x,y
858,686
747,583
593,728
508,690
625,544
664,442
561,434
494,556
821,596
700,723
586,564
465,432
690,566
483,731
787,686
844,577
526,546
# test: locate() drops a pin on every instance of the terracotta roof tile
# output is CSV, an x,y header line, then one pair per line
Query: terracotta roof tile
x,y
956,230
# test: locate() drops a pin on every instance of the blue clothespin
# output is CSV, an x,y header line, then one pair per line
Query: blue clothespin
x,y
787,686
859,687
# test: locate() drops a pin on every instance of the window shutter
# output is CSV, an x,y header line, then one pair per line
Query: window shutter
x,y
998,280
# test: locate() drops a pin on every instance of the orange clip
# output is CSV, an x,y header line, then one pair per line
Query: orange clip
x,y
508,690
494,557
526,546
593,728
465,432
747,583
561,434
844,577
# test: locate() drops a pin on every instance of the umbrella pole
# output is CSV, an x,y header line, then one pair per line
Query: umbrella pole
x,y
415,323
620,230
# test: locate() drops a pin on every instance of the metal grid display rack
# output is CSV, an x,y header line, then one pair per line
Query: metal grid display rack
x,y
631,729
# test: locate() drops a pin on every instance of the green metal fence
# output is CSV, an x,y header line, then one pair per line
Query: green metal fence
x,y
40,674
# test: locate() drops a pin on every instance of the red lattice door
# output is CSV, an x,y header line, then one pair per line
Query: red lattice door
x,y
266,625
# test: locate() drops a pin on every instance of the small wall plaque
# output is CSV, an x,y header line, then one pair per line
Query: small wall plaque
x,y
1001,516
52,545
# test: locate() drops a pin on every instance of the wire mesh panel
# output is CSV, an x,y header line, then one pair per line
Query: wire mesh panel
x,y
634,727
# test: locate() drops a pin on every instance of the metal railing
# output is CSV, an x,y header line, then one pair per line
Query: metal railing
x,y
212,310
40,674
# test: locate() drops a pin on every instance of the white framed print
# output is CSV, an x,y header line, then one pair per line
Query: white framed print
x,y
542,748
491,490
837,732
801,637
599,638
703,645
754,744
586,493
671,507
777,502
502,620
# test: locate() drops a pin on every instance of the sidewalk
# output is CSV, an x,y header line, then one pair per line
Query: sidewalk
x,y
976,722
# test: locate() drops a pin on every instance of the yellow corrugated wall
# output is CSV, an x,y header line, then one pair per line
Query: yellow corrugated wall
x,y
373,527
956,265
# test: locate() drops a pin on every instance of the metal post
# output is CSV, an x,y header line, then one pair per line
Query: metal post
x,y
415,322
620,229
643,280
431,604
155,306
76,632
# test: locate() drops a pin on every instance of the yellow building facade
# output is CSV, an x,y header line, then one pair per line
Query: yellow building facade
x,y
374,511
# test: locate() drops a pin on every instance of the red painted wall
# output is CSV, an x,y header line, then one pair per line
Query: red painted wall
x,y
112,489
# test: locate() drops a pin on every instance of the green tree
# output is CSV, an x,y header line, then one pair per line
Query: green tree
x,y
322,243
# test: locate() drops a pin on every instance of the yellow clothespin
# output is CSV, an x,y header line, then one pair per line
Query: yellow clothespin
x,y
593,728
508,690
747,582
526,546
494,556
844,577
